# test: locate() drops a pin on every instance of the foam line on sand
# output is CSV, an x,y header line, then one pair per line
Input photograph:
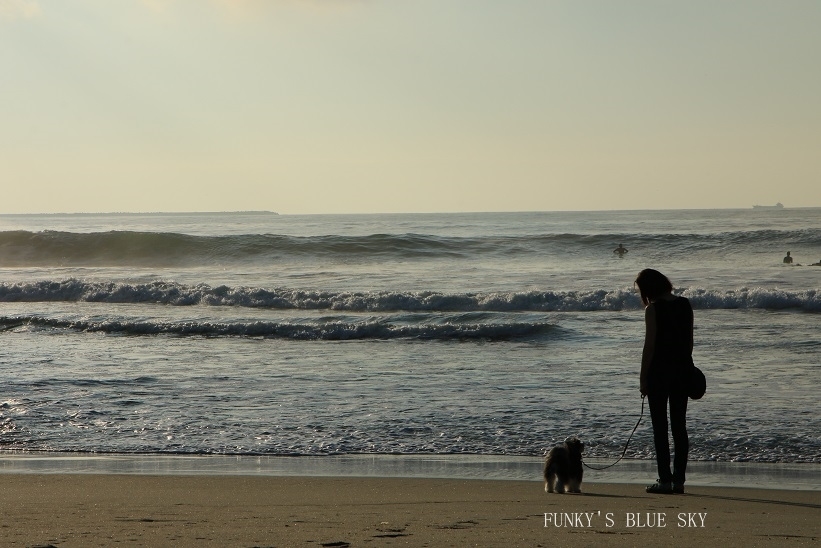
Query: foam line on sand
x,y
799,476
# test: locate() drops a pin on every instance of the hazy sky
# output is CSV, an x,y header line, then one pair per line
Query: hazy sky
x,y
348,106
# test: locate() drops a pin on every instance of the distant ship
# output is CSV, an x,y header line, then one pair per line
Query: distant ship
x,y
779,205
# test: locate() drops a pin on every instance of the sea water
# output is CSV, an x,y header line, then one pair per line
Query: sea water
x,y
340,335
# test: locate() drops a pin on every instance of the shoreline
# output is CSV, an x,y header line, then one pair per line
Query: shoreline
x,y
788,476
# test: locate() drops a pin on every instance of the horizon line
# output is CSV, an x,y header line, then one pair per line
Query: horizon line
x,y
268,212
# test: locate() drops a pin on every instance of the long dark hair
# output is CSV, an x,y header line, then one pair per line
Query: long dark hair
x,y
652,284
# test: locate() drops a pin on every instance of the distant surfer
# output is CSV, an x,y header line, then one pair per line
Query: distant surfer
x,y
621,250
788,259
816,264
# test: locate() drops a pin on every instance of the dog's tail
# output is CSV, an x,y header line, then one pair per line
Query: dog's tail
x,y
548,464
548,471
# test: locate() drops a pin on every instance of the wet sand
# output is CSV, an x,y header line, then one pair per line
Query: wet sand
x,y
199,510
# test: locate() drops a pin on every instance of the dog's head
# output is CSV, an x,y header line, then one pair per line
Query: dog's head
x,y
574,445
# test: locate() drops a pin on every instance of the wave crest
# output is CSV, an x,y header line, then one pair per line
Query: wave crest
x,y
133,248
171,293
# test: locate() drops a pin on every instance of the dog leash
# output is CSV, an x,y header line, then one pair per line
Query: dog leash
x,y
626,444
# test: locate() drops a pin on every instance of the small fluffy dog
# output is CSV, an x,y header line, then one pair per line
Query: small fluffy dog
x,y
563,469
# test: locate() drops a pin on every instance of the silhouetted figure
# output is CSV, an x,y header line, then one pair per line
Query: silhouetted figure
x,y
621,250
816,264
665,362
788,259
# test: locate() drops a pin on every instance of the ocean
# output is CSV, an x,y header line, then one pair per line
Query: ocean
x,y
474,334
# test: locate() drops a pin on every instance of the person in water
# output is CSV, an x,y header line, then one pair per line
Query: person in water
x,y
621,250
788,259
665,361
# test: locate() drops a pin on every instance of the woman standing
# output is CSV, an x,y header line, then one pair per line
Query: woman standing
x,y
665,361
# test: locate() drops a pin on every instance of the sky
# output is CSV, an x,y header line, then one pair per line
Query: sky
x,y
367,106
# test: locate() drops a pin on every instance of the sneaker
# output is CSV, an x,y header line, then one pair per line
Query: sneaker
x,y
678,488
665,488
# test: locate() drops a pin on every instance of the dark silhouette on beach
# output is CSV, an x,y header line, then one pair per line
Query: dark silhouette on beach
x,y
666,359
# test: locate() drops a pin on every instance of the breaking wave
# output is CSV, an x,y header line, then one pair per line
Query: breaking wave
x,y
170,293
327,330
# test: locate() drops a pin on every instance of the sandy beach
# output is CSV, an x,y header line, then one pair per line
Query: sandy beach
x,y
66,510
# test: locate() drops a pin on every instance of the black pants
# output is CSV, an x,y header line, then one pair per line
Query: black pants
x,y
678,424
